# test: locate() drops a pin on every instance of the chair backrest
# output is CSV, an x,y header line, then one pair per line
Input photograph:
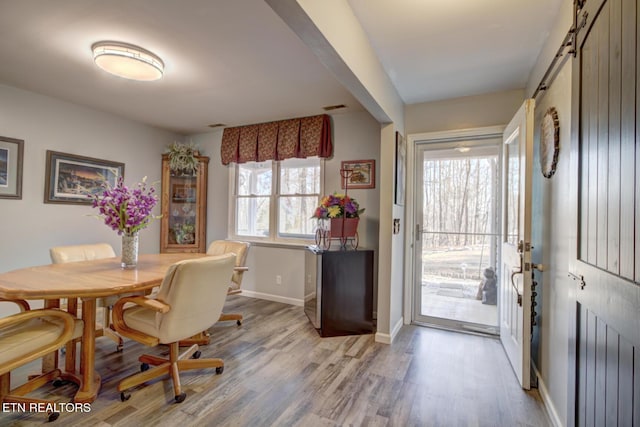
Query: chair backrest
x,y
196,291
73,253
241,249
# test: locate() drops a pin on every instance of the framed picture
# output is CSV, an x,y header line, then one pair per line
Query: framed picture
x,y
183,193
358,173
71,178
11,154
401,159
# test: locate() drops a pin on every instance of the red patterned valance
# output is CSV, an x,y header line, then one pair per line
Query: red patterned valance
x,y
248,144
285,139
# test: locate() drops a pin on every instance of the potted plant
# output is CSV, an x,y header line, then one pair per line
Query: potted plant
x,y
338,216
183,158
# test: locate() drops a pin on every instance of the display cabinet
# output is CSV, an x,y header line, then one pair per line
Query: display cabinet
x,y
184,208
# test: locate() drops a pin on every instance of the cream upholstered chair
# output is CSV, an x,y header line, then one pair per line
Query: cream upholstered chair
x,y
27,336
74,253
190,299
240,250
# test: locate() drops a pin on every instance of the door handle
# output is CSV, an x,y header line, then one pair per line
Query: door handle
x,y
578,278
513,283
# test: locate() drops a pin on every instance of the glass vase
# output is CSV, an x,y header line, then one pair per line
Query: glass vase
x,y
129,250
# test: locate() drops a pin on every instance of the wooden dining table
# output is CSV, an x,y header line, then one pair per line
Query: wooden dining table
x,y
87,280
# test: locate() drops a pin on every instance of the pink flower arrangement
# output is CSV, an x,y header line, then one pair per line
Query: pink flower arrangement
x,y
126,210
338,205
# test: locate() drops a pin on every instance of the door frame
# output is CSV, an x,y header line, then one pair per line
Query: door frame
x,y
488,132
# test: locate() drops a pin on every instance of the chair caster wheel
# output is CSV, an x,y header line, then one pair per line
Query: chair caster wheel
x,y
58,382
124,397
144,367
196,355
239,322
53,416
219,370
119,348
181,397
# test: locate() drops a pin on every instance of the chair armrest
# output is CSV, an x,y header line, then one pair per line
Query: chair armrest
x,y
24,306
117,316
240,268
67,334
144,301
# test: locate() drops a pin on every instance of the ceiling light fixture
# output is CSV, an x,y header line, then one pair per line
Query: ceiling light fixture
x,y
127,60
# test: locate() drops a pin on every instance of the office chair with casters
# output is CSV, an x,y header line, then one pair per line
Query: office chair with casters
x,y
190,299
74,253
220,247
27,336
241,249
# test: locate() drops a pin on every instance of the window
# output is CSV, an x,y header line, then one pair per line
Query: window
x,y
274,200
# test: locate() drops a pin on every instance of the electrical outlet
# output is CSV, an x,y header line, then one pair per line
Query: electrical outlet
x,y
278,280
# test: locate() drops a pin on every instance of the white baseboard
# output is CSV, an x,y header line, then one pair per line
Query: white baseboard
x,y
388,338
276,298
546,400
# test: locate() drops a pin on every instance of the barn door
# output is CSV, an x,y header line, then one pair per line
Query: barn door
x,y
515,271
606,268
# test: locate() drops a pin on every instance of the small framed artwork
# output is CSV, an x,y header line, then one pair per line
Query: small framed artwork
x,y
11,154
401,159
71,178
358,173
183,193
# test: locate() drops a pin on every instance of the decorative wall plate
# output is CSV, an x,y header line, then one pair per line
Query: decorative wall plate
x,y
549,142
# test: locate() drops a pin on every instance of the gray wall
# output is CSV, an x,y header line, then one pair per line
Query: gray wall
x,y
553,228
28,227
356,136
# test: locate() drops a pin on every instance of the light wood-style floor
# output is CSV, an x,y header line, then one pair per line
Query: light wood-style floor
x,y
279,372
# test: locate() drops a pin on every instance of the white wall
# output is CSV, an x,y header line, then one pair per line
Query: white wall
x,y
355,137
463,113
28,227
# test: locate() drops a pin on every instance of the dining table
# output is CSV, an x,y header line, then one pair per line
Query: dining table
x,y
87,281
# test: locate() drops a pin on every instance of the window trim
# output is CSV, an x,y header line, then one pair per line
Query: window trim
x,y
273,237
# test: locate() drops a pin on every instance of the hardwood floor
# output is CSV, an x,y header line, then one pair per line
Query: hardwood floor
x,y
279,372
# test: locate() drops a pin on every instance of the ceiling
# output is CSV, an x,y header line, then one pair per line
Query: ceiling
x,y
236,62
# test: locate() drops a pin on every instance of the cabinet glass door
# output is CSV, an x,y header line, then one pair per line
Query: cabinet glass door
x,y
183,212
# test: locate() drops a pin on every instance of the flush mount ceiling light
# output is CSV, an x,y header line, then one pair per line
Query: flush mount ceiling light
x,y
127,60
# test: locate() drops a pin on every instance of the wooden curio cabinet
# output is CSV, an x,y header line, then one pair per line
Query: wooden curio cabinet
x,y
184,208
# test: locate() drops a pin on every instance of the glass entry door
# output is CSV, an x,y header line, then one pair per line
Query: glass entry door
x,y
458,244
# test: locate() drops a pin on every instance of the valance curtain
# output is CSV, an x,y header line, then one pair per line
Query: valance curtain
x,y
285,139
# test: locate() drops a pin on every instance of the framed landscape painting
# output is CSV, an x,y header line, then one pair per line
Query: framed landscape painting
x,y
11,154
358,173
71,178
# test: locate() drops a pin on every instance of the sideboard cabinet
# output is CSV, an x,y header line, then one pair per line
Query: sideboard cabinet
x,y
339,291
184,208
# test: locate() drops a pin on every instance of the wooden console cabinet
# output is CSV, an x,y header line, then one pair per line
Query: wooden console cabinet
x,y
183,226
339,291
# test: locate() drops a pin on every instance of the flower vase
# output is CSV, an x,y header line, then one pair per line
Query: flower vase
x,y
129,250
